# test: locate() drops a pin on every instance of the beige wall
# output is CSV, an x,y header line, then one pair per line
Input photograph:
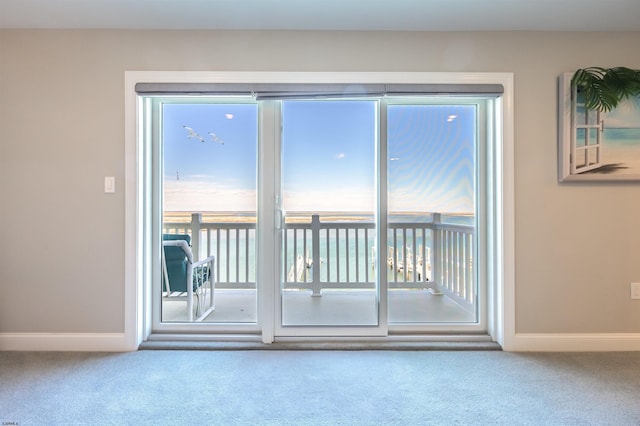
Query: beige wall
x,y
62,130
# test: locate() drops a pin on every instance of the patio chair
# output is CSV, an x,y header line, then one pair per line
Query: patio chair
x,y
181,274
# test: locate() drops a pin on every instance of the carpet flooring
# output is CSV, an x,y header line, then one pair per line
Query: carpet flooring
x,y
263,387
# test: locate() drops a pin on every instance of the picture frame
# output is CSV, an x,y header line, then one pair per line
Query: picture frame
x,y
596,146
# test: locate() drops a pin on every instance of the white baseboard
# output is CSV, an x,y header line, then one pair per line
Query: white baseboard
x,y
86,342
577,342
118,342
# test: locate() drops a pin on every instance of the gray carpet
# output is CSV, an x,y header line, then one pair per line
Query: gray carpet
x,y
319,388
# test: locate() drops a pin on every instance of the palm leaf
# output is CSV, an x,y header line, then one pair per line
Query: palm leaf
x,y
603,89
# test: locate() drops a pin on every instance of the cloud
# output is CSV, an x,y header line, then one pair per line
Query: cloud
x,y
200,196
344,199
627,114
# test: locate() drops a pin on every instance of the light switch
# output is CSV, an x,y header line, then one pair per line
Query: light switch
x,y
635,290
109,184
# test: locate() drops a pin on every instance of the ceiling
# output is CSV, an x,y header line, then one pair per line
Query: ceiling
x,y
387,15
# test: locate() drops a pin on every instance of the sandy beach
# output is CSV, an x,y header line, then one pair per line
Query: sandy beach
x,y
245,217
619,161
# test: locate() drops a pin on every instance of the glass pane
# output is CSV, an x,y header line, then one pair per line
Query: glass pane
x,y
592,155
581,158
431,197
592,118
209,202
586,117
328,184
581,137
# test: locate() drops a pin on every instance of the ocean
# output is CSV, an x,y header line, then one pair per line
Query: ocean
x,y
621,137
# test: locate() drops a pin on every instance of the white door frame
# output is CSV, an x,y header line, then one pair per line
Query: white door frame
x,y
501,295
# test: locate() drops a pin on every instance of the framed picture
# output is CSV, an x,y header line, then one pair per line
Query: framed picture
x,y
594,145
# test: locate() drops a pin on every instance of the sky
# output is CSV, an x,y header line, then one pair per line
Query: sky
x,y
214,175
328,157
626,114
431,158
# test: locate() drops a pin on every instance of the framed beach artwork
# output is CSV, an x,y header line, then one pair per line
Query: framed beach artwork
x,y
595,145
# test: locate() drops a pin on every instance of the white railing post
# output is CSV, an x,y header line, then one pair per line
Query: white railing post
x,y
196,219
437,249
316,285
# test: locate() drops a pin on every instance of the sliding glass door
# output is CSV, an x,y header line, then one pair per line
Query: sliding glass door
x,y
340,216
398,173
329,203
433,193
207,185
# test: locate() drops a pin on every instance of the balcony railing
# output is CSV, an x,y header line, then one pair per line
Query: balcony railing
x,y
342,255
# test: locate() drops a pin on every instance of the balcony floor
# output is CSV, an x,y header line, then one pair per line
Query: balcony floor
x,y
335,307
